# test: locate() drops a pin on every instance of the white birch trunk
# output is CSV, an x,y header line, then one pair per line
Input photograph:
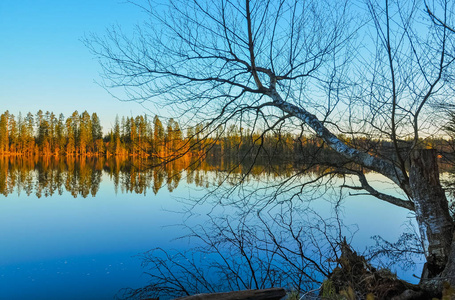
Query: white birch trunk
x,y
432,211
424,188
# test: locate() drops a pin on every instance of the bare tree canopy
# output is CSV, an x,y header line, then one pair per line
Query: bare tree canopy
x,y
361,69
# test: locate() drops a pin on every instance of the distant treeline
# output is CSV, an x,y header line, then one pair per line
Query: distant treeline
x,y
82,135
45,134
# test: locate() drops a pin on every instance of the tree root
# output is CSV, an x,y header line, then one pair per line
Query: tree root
x,y
356,278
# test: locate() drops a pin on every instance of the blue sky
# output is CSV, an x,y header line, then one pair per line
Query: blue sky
x,y
43,63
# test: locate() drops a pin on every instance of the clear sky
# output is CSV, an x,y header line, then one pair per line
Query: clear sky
x,y
44,64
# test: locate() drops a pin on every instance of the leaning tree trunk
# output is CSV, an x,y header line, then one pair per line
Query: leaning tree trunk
x,y
432,214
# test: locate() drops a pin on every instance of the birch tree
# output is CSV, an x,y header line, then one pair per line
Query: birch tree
x,y
368,69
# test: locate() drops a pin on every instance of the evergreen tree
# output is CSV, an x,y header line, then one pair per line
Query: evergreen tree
x,y
52,132
116,137
97,130
97,134
158,137
173,136
28,133
43,132
60,134
133,136
4,133
13,135
85,133
71,132
141,126
20,136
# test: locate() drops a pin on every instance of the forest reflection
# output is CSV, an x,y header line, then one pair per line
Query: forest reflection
x,y
82,176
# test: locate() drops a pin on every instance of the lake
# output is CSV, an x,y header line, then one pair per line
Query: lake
x,y
73,229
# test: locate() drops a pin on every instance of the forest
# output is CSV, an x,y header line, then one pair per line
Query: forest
x,y
45,134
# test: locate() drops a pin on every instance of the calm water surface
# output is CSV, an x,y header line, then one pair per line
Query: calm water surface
x,y
76,244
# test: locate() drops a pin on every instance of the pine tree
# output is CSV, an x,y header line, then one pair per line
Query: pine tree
x,y
29,135
60,135
97,134
85,133
43,132
13,135
4,133
116,137
72,133
158,137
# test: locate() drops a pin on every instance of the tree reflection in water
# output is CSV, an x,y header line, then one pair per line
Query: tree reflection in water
x,y
262,230
81,176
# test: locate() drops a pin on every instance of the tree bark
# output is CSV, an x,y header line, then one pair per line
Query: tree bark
x,y
432,213
371,162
